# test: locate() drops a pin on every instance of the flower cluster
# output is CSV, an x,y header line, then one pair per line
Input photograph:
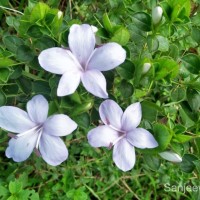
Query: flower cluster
x,y
82,62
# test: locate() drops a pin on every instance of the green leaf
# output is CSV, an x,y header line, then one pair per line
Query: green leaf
x,y
192,63
39,12
193,98
15,187
165,67
41,87
126,70
152,162
4,74
6,62
162,135
187,121
182,138
106,23
187,164
163,43
24,53
121,36
178,94
153,43
196,34
34,31
142,20
126,89
150,110
83,120
44,43
12,42
2,98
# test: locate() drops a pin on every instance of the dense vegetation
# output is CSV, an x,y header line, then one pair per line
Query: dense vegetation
x,y
161,70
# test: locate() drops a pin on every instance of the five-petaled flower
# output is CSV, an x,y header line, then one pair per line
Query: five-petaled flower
x,y
36,131
83,62
120,130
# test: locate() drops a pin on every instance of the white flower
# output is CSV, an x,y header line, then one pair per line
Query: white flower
x,y
120,130
83,62
157,14
146,67
170,156
37,131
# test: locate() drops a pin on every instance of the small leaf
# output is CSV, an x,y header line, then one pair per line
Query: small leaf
x,y
4,74
12,42
126,89
192,63
6,62
162,135
152,162
15,187
126,70
153,43
121,36
178,94
24,53
2,98
163,43
187,164
142,20
193,98
107,24
39,12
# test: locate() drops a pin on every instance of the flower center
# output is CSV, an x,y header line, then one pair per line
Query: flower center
x,y
35,130
121,133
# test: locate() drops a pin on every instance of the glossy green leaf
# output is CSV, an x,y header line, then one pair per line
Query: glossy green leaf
x,y
162,135
193,98
142,20
126,70
4,74
121,36
126,89
165,67
187,164
178,94
6,62
192,63
2,98
24,53
12,42
107,24
153,43
39,12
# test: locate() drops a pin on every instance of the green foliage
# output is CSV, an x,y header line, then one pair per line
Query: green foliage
x,y
169,94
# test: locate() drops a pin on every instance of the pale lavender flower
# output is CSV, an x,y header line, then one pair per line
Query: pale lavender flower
x,y
120,130
36,131
83,62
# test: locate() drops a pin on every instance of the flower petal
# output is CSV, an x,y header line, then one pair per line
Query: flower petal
x,y
58,60
59,125
131,117
14,119
52,149
21,148
102,136
107,57
124,155
141,138
37,109
170,156
111,113
95,83
81,42
68,83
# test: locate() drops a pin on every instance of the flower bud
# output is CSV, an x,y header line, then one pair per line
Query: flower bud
x,y
146,67
171,156
98,39
94,28
157,14
59,14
